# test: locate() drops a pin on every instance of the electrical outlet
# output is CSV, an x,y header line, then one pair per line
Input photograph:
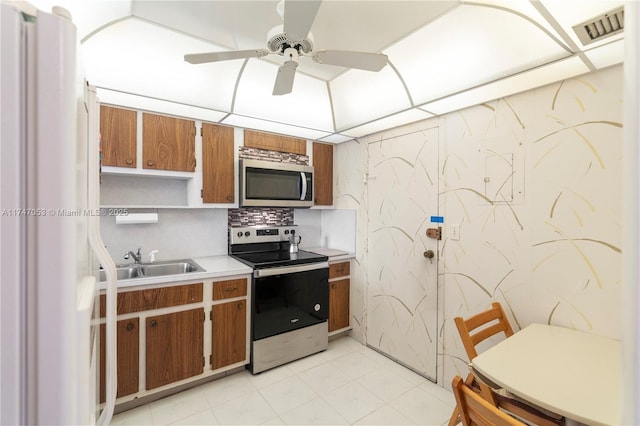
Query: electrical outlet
x,y
454,232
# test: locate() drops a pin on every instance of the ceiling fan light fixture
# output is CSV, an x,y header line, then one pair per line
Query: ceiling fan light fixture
x,y
278,41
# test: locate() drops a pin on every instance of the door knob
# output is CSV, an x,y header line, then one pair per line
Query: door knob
x,y
429,254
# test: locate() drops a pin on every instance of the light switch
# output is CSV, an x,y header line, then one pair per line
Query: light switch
x,y
454,232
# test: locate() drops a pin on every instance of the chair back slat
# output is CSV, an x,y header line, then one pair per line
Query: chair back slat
x,y
490,322
487,332
474,410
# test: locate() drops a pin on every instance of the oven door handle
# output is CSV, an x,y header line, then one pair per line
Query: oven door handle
x,y
269,272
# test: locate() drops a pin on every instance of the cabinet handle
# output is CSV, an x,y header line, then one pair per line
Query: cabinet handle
x,y
229,198
149,162
154,323
231,289
240,305
129,161
130,326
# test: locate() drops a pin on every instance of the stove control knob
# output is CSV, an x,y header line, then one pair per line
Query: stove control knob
x,y
246,234
239,234
286,232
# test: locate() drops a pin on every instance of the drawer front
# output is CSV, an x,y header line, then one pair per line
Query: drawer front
x,y
339,269
145,300
230,288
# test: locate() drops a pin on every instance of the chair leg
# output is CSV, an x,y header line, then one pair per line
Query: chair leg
x,y
455,417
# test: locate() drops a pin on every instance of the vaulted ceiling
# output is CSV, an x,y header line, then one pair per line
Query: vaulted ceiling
x,y
443,56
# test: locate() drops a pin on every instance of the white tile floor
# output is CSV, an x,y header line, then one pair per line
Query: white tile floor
x,y
347,384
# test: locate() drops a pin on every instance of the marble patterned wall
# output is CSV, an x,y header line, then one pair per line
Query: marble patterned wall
x,y
533,181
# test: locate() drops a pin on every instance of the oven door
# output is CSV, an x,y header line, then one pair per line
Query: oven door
x,y
289,298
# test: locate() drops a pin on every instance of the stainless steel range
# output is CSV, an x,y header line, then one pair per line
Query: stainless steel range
x,y
290,294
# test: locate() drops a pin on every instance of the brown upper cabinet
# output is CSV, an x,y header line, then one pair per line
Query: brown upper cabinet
x,y
217,164
168,143
273,142
323,174
118,128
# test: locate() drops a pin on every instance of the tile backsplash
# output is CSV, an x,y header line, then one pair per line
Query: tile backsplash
x,y
275,156
261,216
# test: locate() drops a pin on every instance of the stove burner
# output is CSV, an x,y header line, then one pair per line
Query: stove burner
x,y
267,259
266,247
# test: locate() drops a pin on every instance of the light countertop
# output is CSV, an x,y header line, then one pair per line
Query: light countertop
x,y
220,266
333,254
214,267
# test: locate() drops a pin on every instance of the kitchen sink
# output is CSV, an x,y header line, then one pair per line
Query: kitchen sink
x,y
123,273
170,269
157,269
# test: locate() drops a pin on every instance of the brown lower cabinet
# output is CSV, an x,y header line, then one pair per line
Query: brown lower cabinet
x,y
127,358
229,333
339,284
174,347
338,304
172,344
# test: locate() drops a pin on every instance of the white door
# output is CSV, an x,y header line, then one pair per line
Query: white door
x,y
402,292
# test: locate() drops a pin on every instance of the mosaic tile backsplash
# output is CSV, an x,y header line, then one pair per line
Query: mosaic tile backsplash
x,y
280,157
253,216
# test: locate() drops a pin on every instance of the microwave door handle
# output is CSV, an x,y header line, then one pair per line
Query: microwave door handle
x,y
303,194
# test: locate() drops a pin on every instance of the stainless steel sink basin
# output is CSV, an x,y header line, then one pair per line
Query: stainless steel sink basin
x,y
170,269
158,269
123,273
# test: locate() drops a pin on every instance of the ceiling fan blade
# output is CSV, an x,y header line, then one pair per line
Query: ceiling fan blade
x,y
201,58
284,79
344,58
299,16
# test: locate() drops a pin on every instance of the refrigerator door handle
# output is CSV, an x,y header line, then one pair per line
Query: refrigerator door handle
x,y
98,247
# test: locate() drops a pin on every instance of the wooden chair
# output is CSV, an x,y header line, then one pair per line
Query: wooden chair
x,y
475,410
477,329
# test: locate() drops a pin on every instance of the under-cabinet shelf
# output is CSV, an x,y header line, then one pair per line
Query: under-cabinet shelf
x,y
168,174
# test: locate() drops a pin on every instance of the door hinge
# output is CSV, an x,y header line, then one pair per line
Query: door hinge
x,y
203,361
211,359
202,193
204,316
211,315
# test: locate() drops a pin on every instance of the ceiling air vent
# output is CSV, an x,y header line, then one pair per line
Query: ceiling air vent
x,y
600,27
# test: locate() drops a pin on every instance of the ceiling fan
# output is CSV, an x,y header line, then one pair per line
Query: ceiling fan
x,y
292,40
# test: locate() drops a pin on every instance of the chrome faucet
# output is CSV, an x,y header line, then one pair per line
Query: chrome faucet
x,y
137,257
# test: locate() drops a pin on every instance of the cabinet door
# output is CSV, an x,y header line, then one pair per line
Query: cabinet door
x,y
217,164
323,174
127,358
338,304
174,344
168,143
274,142
118,136
229,333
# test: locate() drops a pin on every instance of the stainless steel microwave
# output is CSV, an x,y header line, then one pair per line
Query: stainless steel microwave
x,y
272,184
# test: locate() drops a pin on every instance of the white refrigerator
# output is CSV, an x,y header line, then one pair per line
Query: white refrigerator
x,y
50,243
